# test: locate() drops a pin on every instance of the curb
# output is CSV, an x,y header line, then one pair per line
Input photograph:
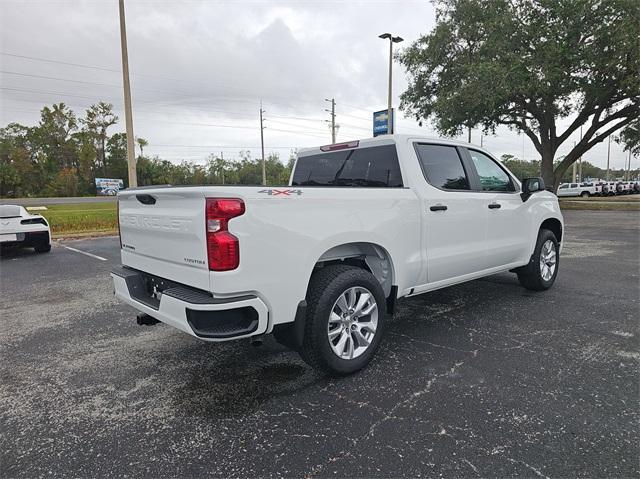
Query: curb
x,y
88,235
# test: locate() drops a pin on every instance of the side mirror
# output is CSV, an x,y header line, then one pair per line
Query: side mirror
x,y
530,186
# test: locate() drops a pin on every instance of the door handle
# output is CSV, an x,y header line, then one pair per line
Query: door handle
x,y
494,206
438,208
146,199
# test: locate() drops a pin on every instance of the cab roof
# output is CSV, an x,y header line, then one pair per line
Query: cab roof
x,y
379,141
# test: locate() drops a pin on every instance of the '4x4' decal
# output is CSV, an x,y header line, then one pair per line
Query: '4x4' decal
x,y
275,192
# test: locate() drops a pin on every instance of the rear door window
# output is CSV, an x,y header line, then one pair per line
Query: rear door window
x,y
375,166
442,167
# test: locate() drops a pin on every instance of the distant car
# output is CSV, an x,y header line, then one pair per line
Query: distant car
x,y
18,228
608,188
627,187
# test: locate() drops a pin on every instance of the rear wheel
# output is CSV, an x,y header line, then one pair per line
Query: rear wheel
x,y
585,194
42,248
345,319
541,272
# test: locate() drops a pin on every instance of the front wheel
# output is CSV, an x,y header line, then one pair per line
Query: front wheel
x,y
345,319
541,272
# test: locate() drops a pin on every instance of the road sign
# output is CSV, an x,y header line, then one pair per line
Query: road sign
x,y
108,186
381,121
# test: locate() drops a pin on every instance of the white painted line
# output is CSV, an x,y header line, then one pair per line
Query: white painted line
x,y
85,253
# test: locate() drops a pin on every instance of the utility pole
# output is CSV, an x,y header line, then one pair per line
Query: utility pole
x,y
333,118
222,158
608,156
469,134
481,140
574,175
131,153
392,40
264,161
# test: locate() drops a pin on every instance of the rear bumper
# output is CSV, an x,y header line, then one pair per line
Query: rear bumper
x,y
191,310
28,238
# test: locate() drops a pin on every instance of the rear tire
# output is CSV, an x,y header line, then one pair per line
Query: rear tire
x,y
585,194
541,272
337,296
43,248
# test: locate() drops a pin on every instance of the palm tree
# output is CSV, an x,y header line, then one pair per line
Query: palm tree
x,y
142,143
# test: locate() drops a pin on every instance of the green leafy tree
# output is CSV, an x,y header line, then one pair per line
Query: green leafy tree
x,y
98,118
18,154
630,137
117,166
521,168
528,64
218,171
54,137
9,179
65,183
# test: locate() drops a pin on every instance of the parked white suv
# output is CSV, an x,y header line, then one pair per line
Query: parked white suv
x,y
321,262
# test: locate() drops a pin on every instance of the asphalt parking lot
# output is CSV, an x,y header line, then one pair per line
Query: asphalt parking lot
x,y
484,379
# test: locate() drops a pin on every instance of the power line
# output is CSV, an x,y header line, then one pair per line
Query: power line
x,y
79,65
157,77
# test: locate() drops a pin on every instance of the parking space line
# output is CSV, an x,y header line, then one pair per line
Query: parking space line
x,y
85,253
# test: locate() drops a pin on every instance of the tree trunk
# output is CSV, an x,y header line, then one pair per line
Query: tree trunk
x,y
104,157
546,170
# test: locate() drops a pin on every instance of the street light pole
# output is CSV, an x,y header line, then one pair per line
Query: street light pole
x,y
131,153
608,156
392,40
264,161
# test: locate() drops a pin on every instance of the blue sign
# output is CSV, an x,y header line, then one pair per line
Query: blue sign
x,y
381,121
108,186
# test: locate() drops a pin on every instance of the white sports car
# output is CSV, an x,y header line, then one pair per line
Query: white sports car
x,y
18,228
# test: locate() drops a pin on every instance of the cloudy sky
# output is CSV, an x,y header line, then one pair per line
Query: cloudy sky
x,y
200,68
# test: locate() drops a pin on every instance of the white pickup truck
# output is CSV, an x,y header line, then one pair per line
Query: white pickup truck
x,y
320,263
578,189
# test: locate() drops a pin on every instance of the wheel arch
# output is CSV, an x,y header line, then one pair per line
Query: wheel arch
x,y
554,225
370,256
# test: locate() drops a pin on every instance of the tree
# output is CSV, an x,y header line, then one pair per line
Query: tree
x,y
18,155
98,119
521,168
630,138
142,143
54,137
117,166
527,64
65,183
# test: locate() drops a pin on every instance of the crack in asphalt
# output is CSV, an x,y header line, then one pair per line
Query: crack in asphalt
x,y
388,415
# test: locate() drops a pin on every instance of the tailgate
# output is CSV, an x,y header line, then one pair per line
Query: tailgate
x,y
163,233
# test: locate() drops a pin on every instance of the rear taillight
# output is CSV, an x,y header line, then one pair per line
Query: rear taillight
x,y
34,221
223,248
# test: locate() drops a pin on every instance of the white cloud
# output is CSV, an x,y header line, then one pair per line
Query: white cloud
x,y
200,67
